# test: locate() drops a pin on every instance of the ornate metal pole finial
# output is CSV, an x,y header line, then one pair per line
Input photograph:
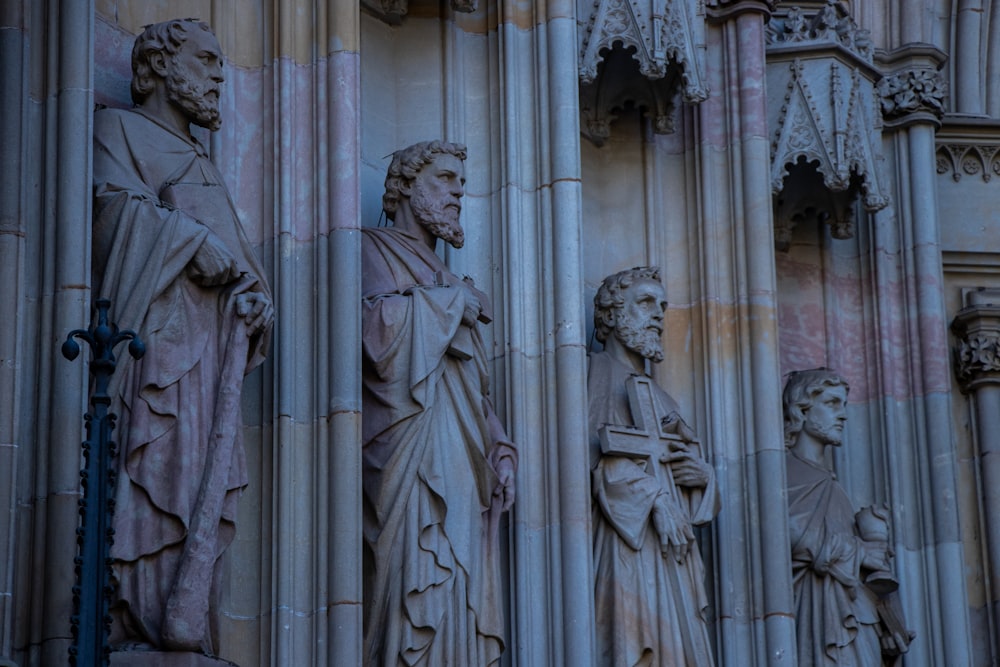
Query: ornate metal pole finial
x,y
91,594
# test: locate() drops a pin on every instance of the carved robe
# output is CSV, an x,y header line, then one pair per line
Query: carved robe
x,y
650,609
431,442
835,613
157,199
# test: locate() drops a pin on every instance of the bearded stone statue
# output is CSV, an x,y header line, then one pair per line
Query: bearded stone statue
x,y
438,467
171,255
651,486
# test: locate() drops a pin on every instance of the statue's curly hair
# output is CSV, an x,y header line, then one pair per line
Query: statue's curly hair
x,y
165,37
801,389
611,295
405,165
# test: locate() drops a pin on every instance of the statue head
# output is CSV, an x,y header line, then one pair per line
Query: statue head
x,y
815,401
429,180
185,56
630,304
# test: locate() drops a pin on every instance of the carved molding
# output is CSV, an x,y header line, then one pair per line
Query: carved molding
x,y
722,10
914,91
829,25
393,11
639,52
968,160
977,328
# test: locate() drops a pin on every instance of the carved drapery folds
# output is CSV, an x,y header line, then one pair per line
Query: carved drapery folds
x,y
393,11
977,329
641,53
824,119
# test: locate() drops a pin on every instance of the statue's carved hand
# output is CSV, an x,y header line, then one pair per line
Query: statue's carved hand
x,y
213,264
689,469
505,486
256,310
672,528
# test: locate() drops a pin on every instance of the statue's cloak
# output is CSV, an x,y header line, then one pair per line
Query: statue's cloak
x,y
650,609
157,198
431,443
835,613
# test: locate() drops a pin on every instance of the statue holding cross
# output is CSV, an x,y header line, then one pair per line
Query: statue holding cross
x,y
651,486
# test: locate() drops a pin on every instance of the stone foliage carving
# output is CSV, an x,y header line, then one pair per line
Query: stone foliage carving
x,y
977,327
846,609
393,11
824,118
651,486
171,255
912,91
830,25
638,52
438,467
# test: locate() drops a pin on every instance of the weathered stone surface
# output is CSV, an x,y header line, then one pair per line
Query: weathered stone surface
x,y
651,486
171,254
846,611
438,467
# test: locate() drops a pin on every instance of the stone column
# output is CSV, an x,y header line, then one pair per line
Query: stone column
x,y
315,557
740,337
539,201
977,366
343,154
13,230
920,441
45,205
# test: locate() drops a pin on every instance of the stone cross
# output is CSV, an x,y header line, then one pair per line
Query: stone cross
x,y
647,439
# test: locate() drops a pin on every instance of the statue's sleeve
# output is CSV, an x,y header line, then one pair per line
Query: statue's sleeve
x,y
625,492
405,336
703,503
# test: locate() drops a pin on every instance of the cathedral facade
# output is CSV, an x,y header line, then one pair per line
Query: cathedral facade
x,y
817,180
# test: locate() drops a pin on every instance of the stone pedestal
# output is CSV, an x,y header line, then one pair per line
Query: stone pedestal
x,y
166,659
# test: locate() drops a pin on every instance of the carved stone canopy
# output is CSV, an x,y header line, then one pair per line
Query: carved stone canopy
x,y
393,11
824,117
977,328
637,53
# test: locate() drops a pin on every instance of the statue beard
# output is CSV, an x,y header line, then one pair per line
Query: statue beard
x,y
201,108
439,215
645,340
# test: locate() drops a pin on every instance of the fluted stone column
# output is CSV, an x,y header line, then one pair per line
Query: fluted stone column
x,y
552,596
977,367
45,113
753,561
920,445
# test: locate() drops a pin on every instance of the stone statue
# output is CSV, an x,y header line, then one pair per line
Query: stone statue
x,y
438,467
846,611
173,258
650,484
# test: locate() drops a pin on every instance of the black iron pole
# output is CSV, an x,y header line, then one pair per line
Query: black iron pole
x,y
91,620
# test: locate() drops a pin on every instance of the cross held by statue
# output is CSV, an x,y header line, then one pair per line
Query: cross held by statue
x,y
648,438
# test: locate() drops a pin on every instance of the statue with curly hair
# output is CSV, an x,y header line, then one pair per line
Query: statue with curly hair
x,y
172,256
438,467
844,616
651,487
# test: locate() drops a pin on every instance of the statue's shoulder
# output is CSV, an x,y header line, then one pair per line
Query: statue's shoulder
x,y
109,116
110,124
